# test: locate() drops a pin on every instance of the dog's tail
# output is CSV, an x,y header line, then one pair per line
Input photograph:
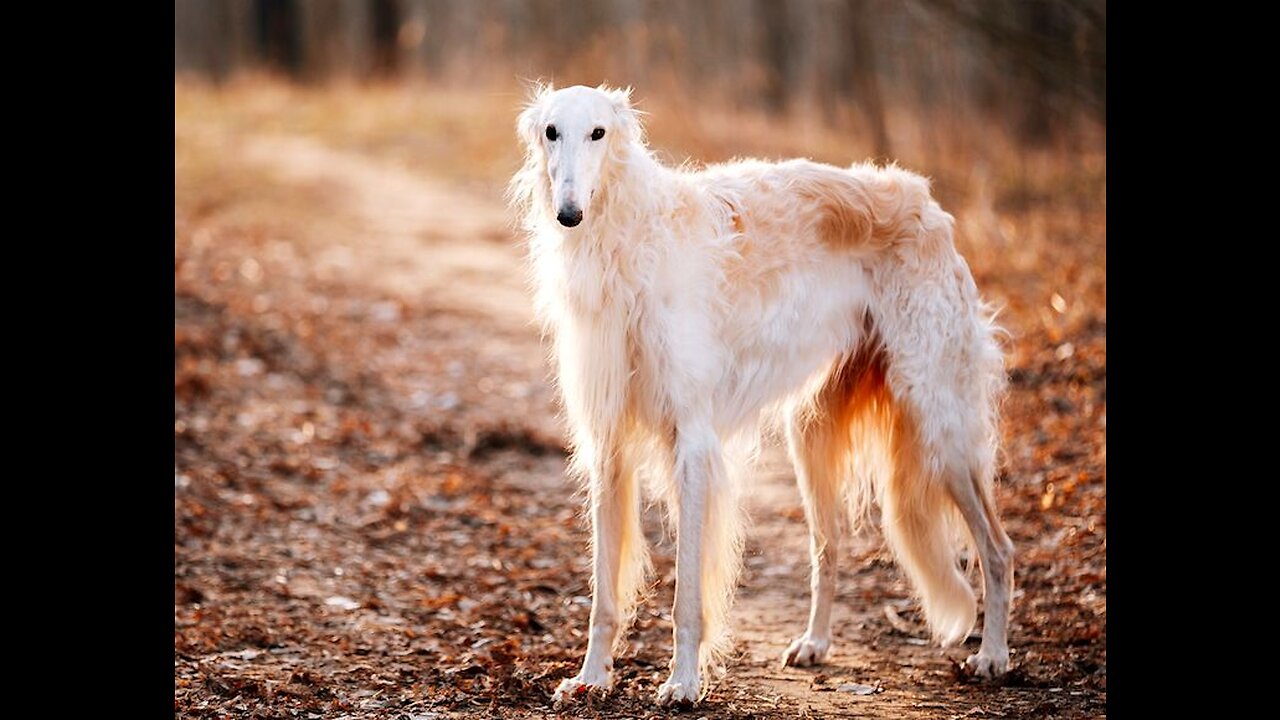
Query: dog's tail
x,y
922,526
892,464
925,411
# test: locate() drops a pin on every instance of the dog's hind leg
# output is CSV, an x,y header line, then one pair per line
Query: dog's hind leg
x,y
619,564
819,453
995,551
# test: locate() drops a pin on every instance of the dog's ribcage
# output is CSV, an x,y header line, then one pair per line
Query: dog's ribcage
x,y
719,324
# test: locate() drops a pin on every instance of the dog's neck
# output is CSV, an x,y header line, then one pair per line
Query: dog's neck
x,y
625,197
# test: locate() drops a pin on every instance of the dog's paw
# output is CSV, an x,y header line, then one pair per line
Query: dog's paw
x,y
683,691
806,650
582,683
986,665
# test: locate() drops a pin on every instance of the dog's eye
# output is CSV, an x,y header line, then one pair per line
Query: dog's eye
x,y
551,132
597,133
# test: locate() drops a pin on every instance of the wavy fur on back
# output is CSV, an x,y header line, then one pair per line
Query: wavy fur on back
x,y
689,305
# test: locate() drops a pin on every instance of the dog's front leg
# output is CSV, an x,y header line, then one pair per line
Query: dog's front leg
x,y
695,462
615,531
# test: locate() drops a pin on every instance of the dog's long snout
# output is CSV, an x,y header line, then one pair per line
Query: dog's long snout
x,y
569,216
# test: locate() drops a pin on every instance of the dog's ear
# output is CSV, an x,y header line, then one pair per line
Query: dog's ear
x,y
628,117
530,179
530,118
525,129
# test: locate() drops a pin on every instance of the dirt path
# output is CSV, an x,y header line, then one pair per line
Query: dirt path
x,y
421,256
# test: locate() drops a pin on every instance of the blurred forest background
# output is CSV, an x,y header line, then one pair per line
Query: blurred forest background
x,y
371,514
1037,66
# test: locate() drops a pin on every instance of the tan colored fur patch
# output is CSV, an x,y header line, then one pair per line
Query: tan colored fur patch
x,y
866,207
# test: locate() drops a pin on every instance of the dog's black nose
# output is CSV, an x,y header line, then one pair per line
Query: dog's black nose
x,y
569,216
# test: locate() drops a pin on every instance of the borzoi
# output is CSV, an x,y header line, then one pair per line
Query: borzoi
x,y
688,306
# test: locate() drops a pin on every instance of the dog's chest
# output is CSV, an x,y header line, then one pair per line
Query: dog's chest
x,y
619,314
595,282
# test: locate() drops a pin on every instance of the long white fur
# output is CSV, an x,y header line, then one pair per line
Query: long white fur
x,y
689,305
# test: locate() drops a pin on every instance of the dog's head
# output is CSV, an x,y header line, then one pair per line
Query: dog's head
x,y
572,137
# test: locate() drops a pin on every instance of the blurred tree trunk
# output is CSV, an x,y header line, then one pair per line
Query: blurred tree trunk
x,y
385,37
212,37
277,25
411,36
627,20
318,24
337,38
860,76
1035,23
356,21
1091,52
779,69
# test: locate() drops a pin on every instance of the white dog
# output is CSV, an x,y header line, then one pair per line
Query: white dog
x,y
687,306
